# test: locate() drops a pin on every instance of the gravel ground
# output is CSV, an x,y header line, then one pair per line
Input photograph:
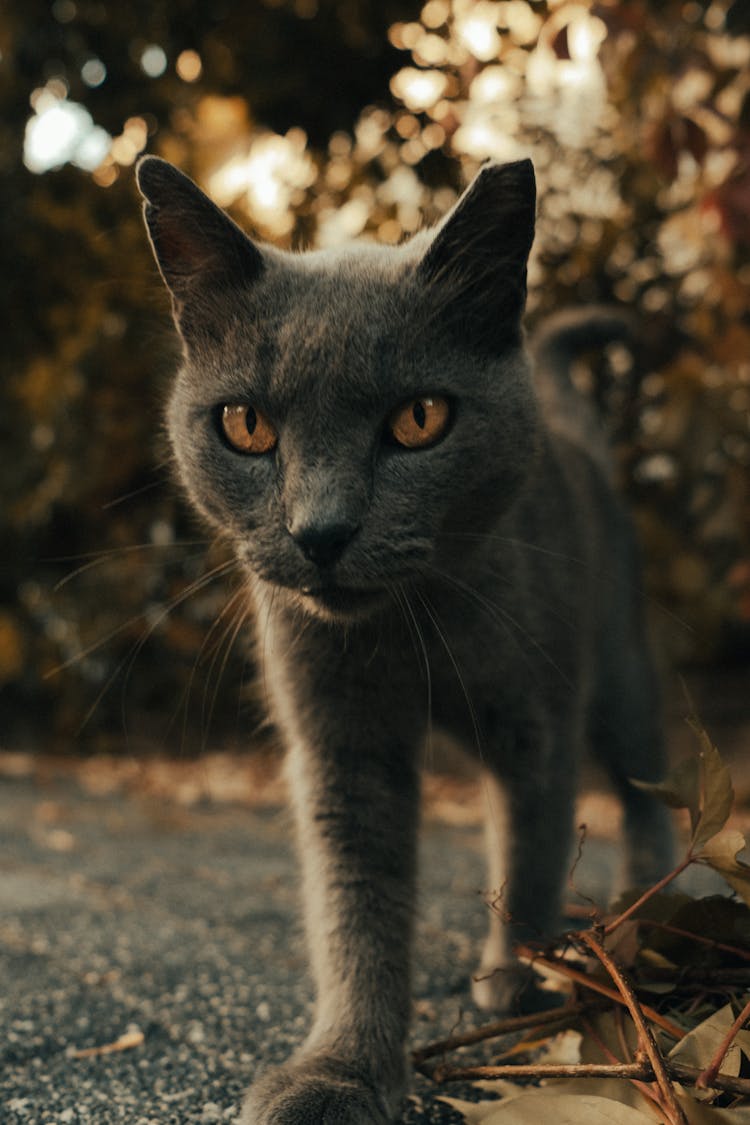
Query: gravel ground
x,y
130,916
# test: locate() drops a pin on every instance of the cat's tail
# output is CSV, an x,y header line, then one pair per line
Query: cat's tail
x,y
554,347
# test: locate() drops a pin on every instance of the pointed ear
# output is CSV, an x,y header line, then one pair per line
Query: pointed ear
x,y
198,249
475,266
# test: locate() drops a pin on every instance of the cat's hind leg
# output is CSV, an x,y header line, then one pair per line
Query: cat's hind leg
x,y
625,731
529,836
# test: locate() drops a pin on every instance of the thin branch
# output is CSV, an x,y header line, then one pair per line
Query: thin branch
x,y
500,1027
613,925
446,1073
639,1072
689,1075
707,1076
646,1088
645,1035
738,976
744,954
582,978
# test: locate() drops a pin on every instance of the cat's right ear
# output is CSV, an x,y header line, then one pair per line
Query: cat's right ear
x,y
475,265
200,251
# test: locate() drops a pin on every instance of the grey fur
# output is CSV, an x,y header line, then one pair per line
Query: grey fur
x,y
487,584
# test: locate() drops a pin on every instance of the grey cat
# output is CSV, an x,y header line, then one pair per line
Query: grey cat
x,y
430,536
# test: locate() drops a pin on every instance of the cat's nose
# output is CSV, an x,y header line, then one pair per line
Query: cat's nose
x,y
323,544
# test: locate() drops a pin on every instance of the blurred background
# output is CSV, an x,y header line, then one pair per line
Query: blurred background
x,y
315,121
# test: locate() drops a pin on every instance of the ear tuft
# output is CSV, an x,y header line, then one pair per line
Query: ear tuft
x,y
475,265
154,175
196,245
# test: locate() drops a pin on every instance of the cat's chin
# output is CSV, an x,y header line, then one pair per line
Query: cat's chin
x,y
344,604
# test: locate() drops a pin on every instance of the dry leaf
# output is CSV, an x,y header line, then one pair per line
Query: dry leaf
x,y
718,794
547,1107
699,1045
698,1113
680,789
473,1113
721,852
618,1090
126,1042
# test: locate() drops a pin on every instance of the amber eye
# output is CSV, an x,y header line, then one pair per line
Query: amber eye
x,y
421,422
247,430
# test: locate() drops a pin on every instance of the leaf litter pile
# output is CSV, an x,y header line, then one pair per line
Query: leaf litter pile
x,y
657,997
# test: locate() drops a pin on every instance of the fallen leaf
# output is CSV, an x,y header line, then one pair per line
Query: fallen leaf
x,y
604,1038
698,1113
720,853
547,1107
718,794
126,1042
473,1113
564,1048
680,788
699,1045
618,1090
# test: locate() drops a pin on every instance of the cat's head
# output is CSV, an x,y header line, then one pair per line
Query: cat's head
x,y
352,418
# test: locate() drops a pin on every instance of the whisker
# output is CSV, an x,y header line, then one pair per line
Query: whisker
x,y
429,610
420,649
194,587
485,604
126,548
231,632
135,492
184,701
129,659
500,613
222,568
592,572
504,618
264,647
98,558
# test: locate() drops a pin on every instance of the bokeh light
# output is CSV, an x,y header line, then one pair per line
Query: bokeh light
x,y
61,131
265,177
189,66
153,60
93,73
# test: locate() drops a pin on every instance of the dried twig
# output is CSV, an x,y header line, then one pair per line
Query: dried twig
x,y
618,921
666,928
645,1087
645,1035
689,1075
639,1072
582,978
500,1027
445,1073
707,1075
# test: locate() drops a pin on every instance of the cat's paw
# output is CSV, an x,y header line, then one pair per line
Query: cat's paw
x,y
316,1091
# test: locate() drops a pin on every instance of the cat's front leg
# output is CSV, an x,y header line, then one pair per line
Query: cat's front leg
x,y
350,762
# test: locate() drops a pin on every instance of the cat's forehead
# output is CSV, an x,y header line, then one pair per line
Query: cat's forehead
x,y
356,284
322,315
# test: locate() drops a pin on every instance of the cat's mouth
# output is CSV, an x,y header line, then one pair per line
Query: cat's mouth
x,y
342,601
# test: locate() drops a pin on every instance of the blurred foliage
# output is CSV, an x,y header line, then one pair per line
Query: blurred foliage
x,y
314,121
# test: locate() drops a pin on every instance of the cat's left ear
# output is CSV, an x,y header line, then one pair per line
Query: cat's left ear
x,y
476,262
200,251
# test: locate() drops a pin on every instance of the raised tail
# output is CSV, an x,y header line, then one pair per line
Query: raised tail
x,y
558,341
